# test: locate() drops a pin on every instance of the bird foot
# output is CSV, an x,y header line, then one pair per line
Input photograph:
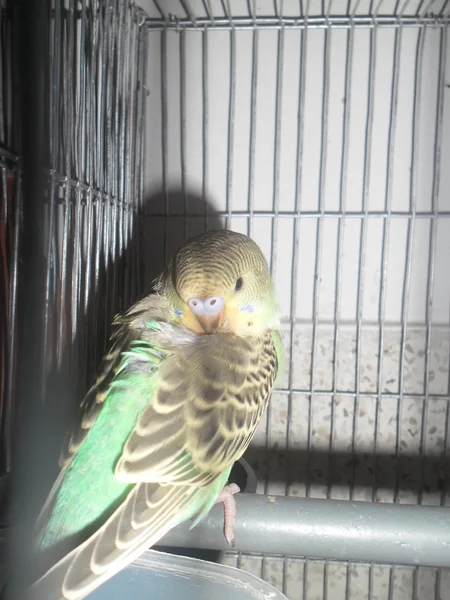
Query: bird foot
x,y
229,510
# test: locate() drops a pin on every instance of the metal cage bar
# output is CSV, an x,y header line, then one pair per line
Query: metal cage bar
x,y
344,22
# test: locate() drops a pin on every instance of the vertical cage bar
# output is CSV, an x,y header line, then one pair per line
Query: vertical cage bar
x,y
320,220
90,17
253,125
438,581
6,361
133,174
89,148
28,282
102,178
205,124
322,195
128,202
446,486
310,403
53,185
79,84
123,103
387,222
183,128
343,191
365,208
131,143
63,327
231,120
342,210
411,224
12,327
99,201
143,44
76,263
124,110
277,144
408,264
341,235
276,162
164,49
109,59
295,261
114,144
433,242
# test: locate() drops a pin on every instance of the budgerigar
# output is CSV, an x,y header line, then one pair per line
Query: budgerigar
x,y
187,378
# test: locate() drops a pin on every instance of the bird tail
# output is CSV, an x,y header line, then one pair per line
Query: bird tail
x,y
148,513
52,585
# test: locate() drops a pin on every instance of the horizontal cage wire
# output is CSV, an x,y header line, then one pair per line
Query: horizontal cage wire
x,y
321,129
282,14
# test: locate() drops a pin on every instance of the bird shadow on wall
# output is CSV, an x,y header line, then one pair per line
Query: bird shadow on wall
x,y
168,221
373,477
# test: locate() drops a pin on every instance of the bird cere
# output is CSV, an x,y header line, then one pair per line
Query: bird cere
x,y
179,394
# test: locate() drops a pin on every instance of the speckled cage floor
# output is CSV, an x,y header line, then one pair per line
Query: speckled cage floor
x,y
322,129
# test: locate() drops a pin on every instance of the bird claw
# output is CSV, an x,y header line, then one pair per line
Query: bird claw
x,y
229,510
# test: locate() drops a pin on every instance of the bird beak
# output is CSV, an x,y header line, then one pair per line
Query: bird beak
x,y
210,324
209,312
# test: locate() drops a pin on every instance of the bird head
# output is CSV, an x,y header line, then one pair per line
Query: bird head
x,y
220,281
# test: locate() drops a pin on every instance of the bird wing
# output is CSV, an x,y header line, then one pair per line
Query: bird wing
x,y
126,328
210,394
210,399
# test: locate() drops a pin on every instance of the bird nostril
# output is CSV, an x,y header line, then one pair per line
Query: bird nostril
x,y
195,304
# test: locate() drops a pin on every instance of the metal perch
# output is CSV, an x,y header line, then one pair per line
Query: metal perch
x,y
327,529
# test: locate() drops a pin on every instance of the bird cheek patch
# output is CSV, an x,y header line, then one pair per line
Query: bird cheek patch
x,y
249,308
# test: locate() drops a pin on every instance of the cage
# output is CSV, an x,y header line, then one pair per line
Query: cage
x,y
321,129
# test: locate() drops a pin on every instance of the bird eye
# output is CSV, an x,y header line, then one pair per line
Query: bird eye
x,y
239,284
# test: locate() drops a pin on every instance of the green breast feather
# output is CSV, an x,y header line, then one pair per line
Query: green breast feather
x,y
89,489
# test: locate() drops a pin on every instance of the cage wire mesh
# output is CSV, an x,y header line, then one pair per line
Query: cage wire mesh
x,y
91,209
94,193
95,190
321,129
